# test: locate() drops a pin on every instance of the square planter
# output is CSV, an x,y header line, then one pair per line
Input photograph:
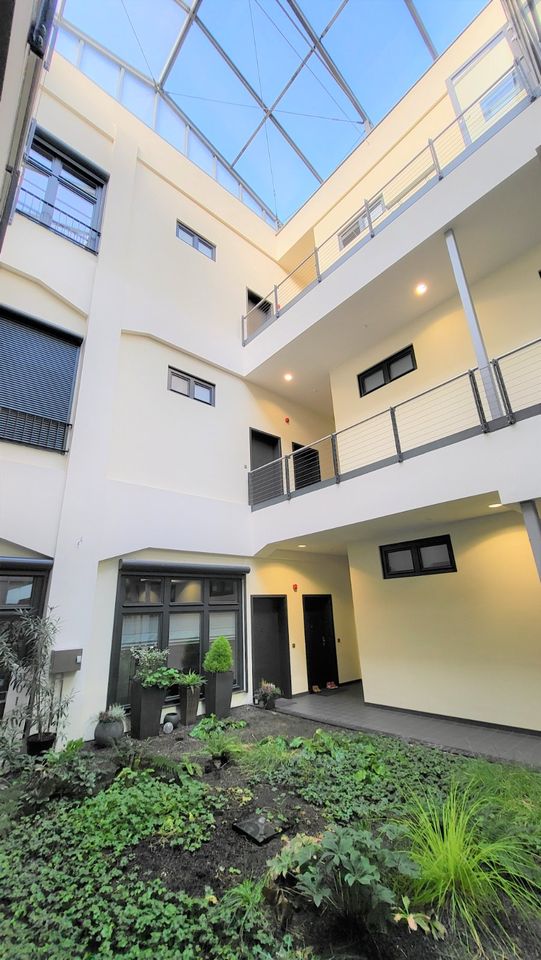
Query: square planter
x,y
146,708
218,692
188,703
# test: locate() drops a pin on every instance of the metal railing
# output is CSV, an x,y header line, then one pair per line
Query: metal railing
x,y
18,426
57,220
447,413
465,133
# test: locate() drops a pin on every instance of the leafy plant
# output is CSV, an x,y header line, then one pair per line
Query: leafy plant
x,y
510,801
71,772
147,661
222,747
243,905
219,656
191,679
114,714
462,871
266,760
426,922
163,678
268,691
210,723
346,870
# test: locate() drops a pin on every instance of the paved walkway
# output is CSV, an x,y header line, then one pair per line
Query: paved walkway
x,y
346,708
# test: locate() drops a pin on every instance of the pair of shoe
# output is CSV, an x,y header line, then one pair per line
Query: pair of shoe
x,y
315,688
331,685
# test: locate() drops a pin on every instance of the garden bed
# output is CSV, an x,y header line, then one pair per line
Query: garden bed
x,y
143,862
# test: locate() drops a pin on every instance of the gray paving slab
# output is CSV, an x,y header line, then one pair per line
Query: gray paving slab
x,y
348,709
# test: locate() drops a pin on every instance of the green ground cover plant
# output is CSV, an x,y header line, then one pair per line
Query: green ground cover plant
x,y
211,724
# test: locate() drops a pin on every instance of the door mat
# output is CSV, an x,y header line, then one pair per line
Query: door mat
x,y
327,693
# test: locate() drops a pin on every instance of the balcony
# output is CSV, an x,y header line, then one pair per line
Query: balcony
x,y
30,429
483,118
476,401
57,220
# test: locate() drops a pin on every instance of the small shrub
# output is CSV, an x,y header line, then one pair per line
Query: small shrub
x,y
347,871
70,773
267,760
191,679
464,873
147,660
209,724
242,905
219,656
222,747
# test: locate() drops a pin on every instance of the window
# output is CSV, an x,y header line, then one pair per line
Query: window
x,y
188,386
390,369
194,240
38,366
62,191
500,95
357,227
22,587
418,558
181,612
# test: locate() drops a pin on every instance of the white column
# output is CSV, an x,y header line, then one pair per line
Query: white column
x,y
532,522
487,375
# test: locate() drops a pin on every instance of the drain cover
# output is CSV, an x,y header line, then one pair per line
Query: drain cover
x,y
258,829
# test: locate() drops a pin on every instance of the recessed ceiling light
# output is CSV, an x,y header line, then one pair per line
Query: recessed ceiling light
x,y
494,506
421,289
288,376
301,546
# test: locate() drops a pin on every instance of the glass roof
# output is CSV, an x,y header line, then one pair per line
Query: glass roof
x,y
267,96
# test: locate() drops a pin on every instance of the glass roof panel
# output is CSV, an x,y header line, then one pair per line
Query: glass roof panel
x,y
290,178
207,91
319,12
320,118
279,47
123,27
380,51
447,18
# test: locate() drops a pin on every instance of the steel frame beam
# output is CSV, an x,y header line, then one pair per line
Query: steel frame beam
x,y
183,33
418,21
328,60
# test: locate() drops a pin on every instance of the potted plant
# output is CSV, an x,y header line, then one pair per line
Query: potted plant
x,y
25,654
268,693
110,726
218,666
148,690
190,684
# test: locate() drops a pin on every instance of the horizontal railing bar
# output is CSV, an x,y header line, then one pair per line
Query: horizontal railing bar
x,y
532,343
64,213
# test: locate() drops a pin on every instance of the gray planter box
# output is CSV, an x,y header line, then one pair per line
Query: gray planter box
x,y
218,692
146,708
188,703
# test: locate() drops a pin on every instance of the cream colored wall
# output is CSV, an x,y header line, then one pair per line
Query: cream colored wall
x,y
462,644
508,308
166,440
315,574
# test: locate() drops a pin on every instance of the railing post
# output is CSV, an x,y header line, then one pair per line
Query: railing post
x,y
503,391
368,216
244,329
335,459
435,160
276,304
288,484
396,435
316,261
250,489
478,401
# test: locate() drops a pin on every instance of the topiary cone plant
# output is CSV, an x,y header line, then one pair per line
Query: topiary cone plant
x,y
218,666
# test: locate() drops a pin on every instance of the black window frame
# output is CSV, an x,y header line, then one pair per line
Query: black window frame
x,y
206,606
39,572
415,547
385,367
63,159
193,382
196,240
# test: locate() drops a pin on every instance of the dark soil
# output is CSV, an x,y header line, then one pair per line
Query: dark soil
x,y
227,858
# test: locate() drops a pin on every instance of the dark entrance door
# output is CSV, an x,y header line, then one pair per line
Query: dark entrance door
x,y
268,482
270,643
321,661
306,467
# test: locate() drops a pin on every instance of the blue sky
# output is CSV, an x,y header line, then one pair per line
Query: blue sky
x,y
374,43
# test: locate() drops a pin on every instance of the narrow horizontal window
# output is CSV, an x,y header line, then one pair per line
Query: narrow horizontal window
x,y
418,558
62,192
361,225
192,387
390,369
194,240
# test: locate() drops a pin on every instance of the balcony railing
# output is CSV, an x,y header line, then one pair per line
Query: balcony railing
x,y
473,402
57,220
33,430
506,97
